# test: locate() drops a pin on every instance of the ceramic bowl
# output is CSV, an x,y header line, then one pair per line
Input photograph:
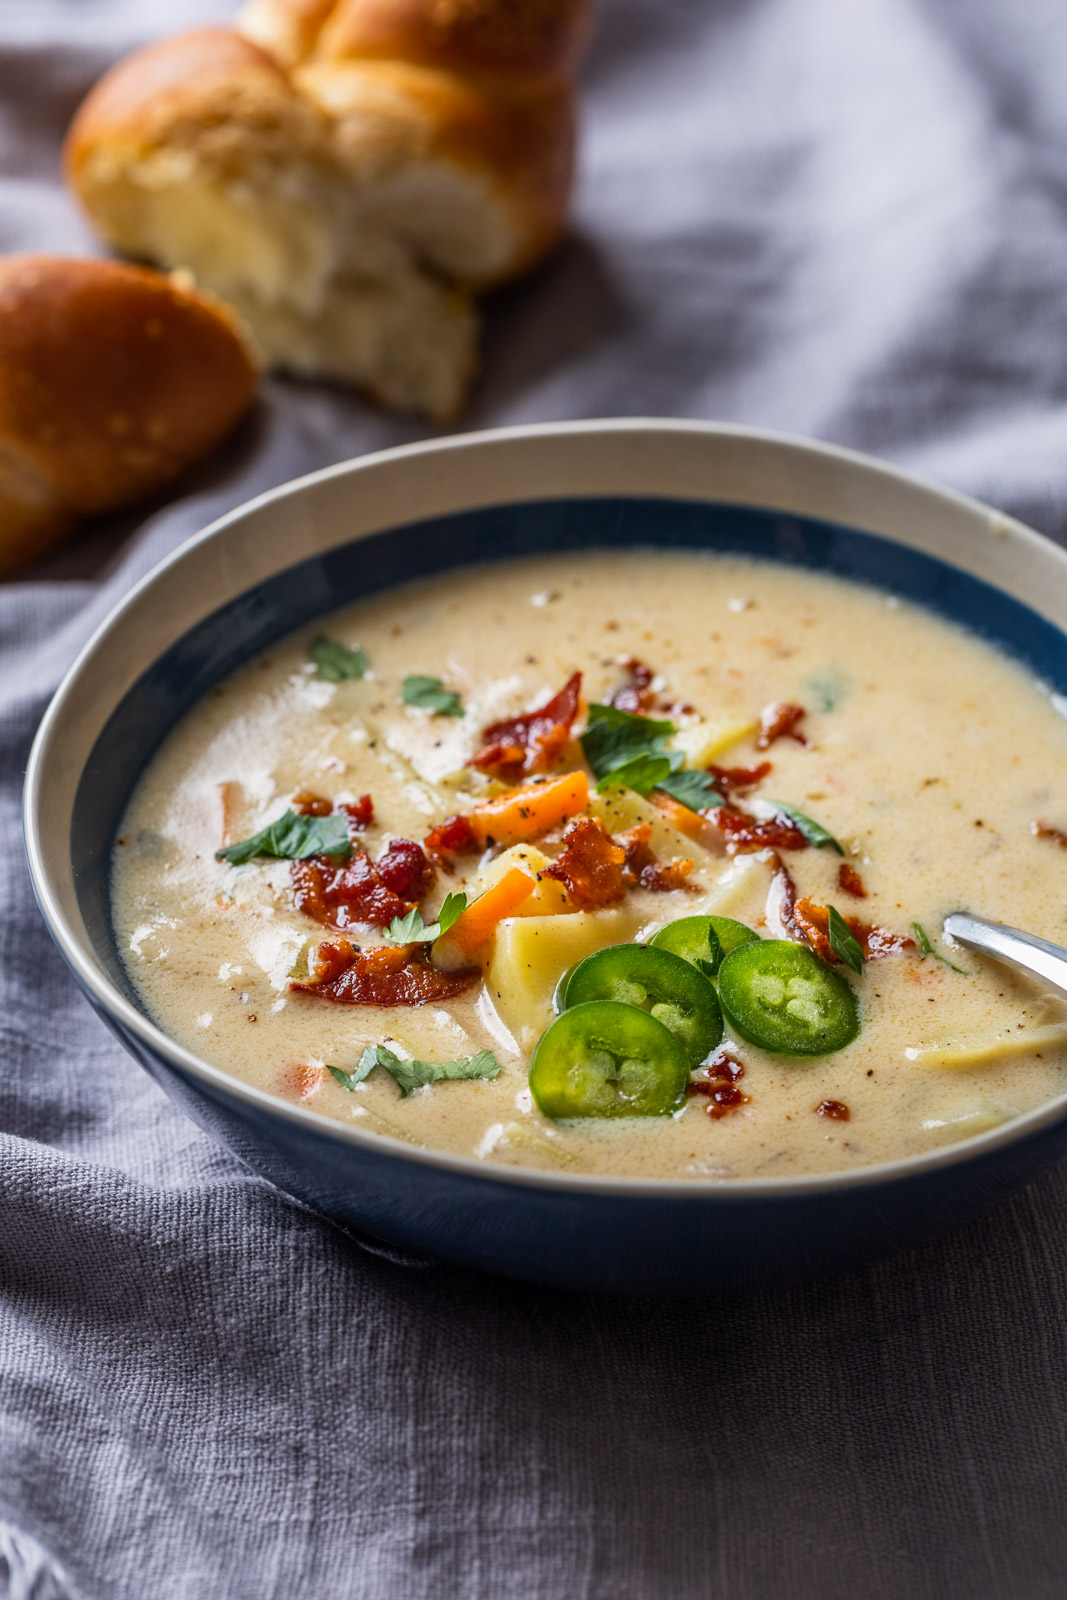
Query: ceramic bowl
x,y
358,528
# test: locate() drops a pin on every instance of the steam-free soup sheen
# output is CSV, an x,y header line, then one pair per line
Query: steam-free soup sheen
x,y
928,755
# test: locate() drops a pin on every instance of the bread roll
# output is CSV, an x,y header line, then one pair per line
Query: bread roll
x,y
348,173
112,380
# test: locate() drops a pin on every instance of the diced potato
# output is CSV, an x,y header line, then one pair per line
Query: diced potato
x,y
997,1044
548,898
618,809
531,954
702,742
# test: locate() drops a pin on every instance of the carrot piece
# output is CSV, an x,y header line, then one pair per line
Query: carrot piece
x,y
475,926
692,823
533,809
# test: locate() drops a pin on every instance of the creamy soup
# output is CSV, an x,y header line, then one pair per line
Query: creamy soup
x,y
823,764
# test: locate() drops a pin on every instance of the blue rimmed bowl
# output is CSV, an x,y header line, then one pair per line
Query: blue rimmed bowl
x,y
358,528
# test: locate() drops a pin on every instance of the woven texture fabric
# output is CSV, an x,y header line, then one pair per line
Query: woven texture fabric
x,y
837,218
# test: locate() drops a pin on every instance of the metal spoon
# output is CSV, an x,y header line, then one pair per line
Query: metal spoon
x,y
1037,958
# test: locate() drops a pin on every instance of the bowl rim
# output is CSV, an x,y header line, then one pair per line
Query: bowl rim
x,y
221,1084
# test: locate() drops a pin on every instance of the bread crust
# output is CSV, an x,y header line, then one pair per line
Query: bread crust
x,y
113,379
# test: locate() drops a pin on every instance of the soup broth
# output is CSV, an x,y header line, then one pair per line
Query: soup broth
x,y
926,767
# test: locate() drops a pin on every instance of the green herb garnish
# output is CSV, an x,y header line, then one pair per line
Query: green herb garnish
x,y
928,950
430,694
813,832
614,738
694,789
412,930
827,688
409,1075
843,942
334,661
641,773
294,838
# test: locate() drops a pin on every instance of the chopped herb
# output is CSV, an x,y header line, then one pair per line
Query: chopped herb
x,y
826,688
928,950
842,941
430,694
641,773
293,837
410,1075
613,738
334,661
694,789
813,832
412,930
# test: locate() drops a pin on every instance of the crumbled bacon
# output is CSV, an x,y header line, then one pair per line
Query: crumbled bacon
x,y
361,891
453,837
1043,830
738,780
782,900
589,866
814,922
836,1109
850,881
307,804
388,975
637,696
779,722
642,867
744,833
720,1086
533,742
405,869
360,813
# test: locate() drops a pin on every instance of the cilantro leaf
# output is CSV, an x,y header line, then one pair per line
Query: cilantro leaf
x,y
813,832
612,738
430,694
294,838
694,789
928,950
642,773
409,1075
412,930
842,941
334,661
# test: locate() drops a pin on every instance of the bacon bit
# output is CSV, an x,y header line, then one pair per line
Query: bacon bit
x,y
738,780
637,696
745,833
720,1086
589,866
850,881
404,868
833,1108
533,742
1042,830
360,813
299,1080
779,722
814,923
642,866
384,976
361,891
784,894
306,804
453,837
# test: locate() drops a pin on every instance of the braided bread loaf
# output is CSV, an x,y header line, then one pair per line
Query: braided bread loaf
x,y
347,173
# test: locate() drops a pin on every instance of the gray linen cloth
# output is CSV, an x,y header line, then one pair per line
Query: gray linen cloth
x,y
845,218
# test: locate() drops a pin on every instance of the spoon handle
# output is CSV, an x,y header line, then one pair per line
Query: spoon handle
x,y
1037,958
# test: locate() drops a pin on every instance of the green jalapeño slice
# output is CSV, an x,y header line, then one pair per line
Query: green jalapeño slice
x,y
607,1059
672,990
703,941
780,996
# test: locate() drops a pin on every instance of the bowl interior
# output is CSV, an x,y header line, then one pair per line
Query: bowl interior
x,y
296,596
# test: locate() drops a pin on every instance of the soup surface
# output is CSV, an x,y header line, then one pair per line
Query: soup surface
x,y
928,771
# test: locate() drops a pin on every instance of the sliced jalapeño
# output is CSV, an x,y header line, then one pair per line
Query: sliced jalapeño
x,y
608,1059
703,941
781,997
673,991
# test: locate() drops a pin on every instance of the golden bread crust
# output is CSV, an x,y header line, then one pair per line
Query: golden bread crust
x,y
113,379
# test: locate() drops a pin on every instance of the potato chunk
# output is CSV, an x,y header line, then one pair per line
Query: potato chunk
x,y
531,954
